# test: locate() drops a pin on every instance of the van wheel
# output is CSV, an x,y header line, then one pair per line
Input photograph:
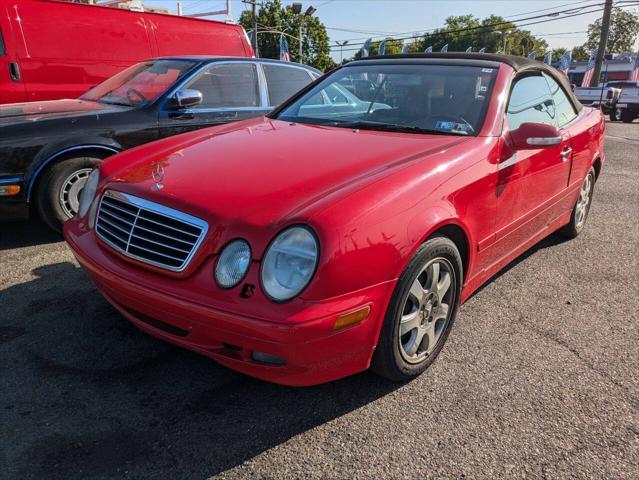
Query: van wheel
x,y
58,194
421,312
627,116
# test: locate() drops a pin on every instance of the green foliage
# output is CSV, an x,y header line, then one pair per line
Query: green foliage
x,y
273,18
624,27
580,54
491,32
557,53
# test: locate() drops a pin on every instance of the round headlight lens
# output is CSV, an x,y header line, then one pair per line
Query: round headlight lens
x,y
289,263
233,263
88,192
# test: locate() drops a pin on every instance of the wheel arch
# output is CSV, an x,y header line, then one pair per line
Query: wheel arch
x,y
52,157
596,164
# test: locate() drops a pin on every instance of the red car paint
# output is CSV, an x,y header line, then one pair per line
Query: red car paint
x,y
56,50
371,197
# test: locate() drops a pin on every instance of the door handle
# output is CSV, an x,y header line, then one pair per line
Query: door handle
x,y
14,71
565,153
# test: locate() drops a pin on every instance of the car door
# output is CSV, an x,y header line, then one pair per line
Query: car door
x,y
282,81
231,91
12,89
531,182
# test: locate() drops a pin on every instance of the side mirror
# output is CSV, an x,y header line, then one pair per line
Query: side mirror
x,y
187,98
532,136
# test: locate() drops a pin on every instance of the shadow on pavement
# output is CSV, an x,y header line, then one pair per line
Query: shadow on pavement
x,y
26,234
87,395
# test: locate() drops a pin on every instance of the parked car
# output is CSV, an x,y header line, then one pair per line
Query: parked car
x,y
51,49
48,149
309,244
626,108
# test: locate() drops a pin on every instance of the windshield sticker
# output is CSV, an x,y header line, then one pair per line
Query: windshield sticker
x,y
487,70
453,127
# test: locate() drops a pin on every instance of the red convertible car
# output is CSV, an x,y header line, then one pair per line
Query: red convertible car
x,y
339,233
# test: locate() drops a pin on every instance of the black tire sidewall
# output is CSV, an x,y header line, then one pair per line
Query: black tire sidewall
x,y
47,194
627,116
388,360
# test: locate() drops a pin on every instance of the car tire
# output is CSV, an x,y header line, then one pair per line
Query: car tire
x,y
614,115
581,208
59,189
400,354
627,116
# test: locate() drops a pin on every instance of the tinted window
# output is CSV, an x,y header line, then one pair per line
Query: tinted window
x,y
399,97
564,111
283,82
530,101
228,85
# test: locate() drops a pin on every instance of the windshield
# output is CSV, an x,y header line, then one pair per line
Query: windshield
x,y
442,99
139,84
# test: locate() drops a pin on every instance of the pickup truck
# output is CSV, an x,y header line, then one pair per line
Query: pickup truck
x,y
626,108
605,96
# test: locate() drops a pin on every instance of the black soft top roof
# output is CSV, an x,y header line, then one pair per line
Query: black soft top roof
x,y
490,60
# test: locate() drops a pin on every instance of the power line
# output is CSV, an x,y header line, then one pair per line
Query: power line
x,y
489,28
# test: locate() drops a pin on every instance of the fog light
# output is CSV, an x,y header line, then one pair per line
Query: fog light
x,y
9,190
352,318
267,358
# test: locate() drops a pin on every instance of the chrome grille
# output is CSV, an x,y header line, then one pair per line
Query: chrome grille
x,y
147,231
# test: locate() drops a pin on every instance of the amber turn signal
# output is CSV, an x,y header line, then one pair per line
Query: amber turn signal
x,y
9,190
352,318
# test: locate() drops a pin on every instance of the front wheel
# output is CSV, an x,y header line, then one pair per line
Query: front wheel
x,y
58,194
582,207
421,312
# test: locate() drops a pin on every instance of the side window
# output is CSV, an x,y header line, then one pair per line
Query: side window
x,y
284,81
530,101
565,112
229,85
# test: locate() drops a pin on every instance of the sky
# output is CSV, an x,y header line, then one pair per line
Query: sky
x,y
357,20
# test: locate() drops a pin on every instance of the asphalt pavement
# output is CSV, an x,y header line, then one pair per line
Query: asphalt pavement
x,y
540,377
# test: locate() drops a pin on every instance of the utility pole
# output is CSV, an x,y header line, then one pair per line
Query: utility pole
x,y
341,51
603,40
179,8
253,4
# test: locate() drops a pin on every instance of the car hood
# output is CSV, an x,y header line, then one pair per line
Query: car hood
x,y
37,111
265,172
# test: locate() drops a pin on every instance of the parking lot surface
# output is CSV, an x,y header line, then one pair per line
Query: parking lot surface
x,y
540,377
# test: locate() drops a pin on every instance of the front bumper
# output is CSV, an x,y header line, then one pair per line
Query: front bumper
x,y
314,353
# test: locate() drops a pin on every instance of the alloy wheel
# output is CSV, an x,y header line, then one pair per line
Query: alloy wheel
x,y
583,202
71,189
427,310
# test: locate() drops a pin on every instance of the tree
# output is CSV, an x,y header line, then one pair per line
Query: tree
x,y
491,33
273,19
580,54
393,47
557,53
624,27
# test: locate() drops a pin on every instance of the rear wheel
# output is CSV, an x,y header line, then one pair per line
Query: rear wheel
x,y
421,312
582,207
59,191
627,116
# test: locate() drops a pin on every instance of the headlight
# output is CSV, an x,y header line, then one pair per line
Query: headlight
x,y
289,263
233,264
88,192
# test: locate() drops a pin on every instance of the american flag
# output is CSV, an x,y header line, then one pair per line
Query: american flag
x,y
590,69
532,55
483,50
366,48
429,50
382,48
548,58
634,76
445,48
406,47
469,50
565,61
284,53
